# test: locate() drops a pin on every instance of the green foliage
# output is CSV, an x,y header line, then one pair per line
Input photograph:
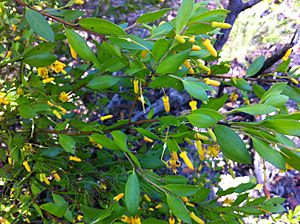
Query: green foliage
x,y
70,152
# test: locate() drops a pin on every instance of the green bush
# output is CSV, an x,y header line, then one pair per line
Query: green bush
x,y
69,155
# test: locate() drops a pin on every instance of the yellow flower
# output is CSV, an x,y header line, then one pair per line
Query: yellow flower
x,y
14,27
45,81
233,97
203,66
171,220
209,81
17,38
191,71
187,160
221,25
43,72
289,167
158,206
50,104
73,52
106,117
287,54
196,218
200,150
64,97
147,197
247,101
185,199
192,39
63,110
174,162
228,201
136,220
56,175
74,158
3,99
136,86
126,219
19,91
212,135
119,197
103,186
193,105
8,54
210,48
201,137
10,161
27,167
79,2
213,150
294,81
146,139
144,53
99,146
79,217
180,39
57,114
190,204
165,100
196,48
58,67
187,64
44,178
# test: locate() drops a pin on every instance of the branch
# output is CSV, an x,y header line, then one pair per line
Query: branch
x,y
57,19
249,4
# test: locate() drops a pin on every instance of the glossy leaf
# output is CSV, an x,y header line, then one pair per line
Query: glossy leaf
x,y
132,194
39,60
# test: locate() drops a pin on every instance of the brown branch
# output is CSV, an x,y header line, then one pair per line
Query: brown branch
x,y
57,19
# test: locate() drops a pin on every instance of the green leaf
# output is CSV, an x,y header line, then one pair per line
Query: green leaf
x,y
204,118
239,189
132,194
258,90
120,140
277,100
40,60
101,26
175,180
185,12
291,157
283,126
39,24
147,133
152,16
276,89
154,221
104,141
103,82
268,153
172,63
215,103
178,208
41,48
67,142
57,210
195,89
182,189
81,47
231,144
217,15
256,66
26,111
255,109
160,47
198,28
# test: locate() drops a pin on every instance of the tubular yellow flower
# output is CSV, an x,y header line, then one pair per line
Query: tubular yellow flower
x,y
187,64
3,99
221,25
144,53
8,54
196,218
192,39
19,91
45,81
136,220
73,52
64,97
193,105
196,48
147,198
10,161
247,101
99,146
287,54
57,114
27,167
213,150
203,66
126,219
210,48
209,81
165,100
79,2
185,199
50,104
146,139
17,38
187,160
212,135
136,86
79,217
56,175
74,158
119,197
200,149
106,117
180,39
294,81
201,137
43,72
158,206
63,110
171,220
191,71
14,27
190,204
46,181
